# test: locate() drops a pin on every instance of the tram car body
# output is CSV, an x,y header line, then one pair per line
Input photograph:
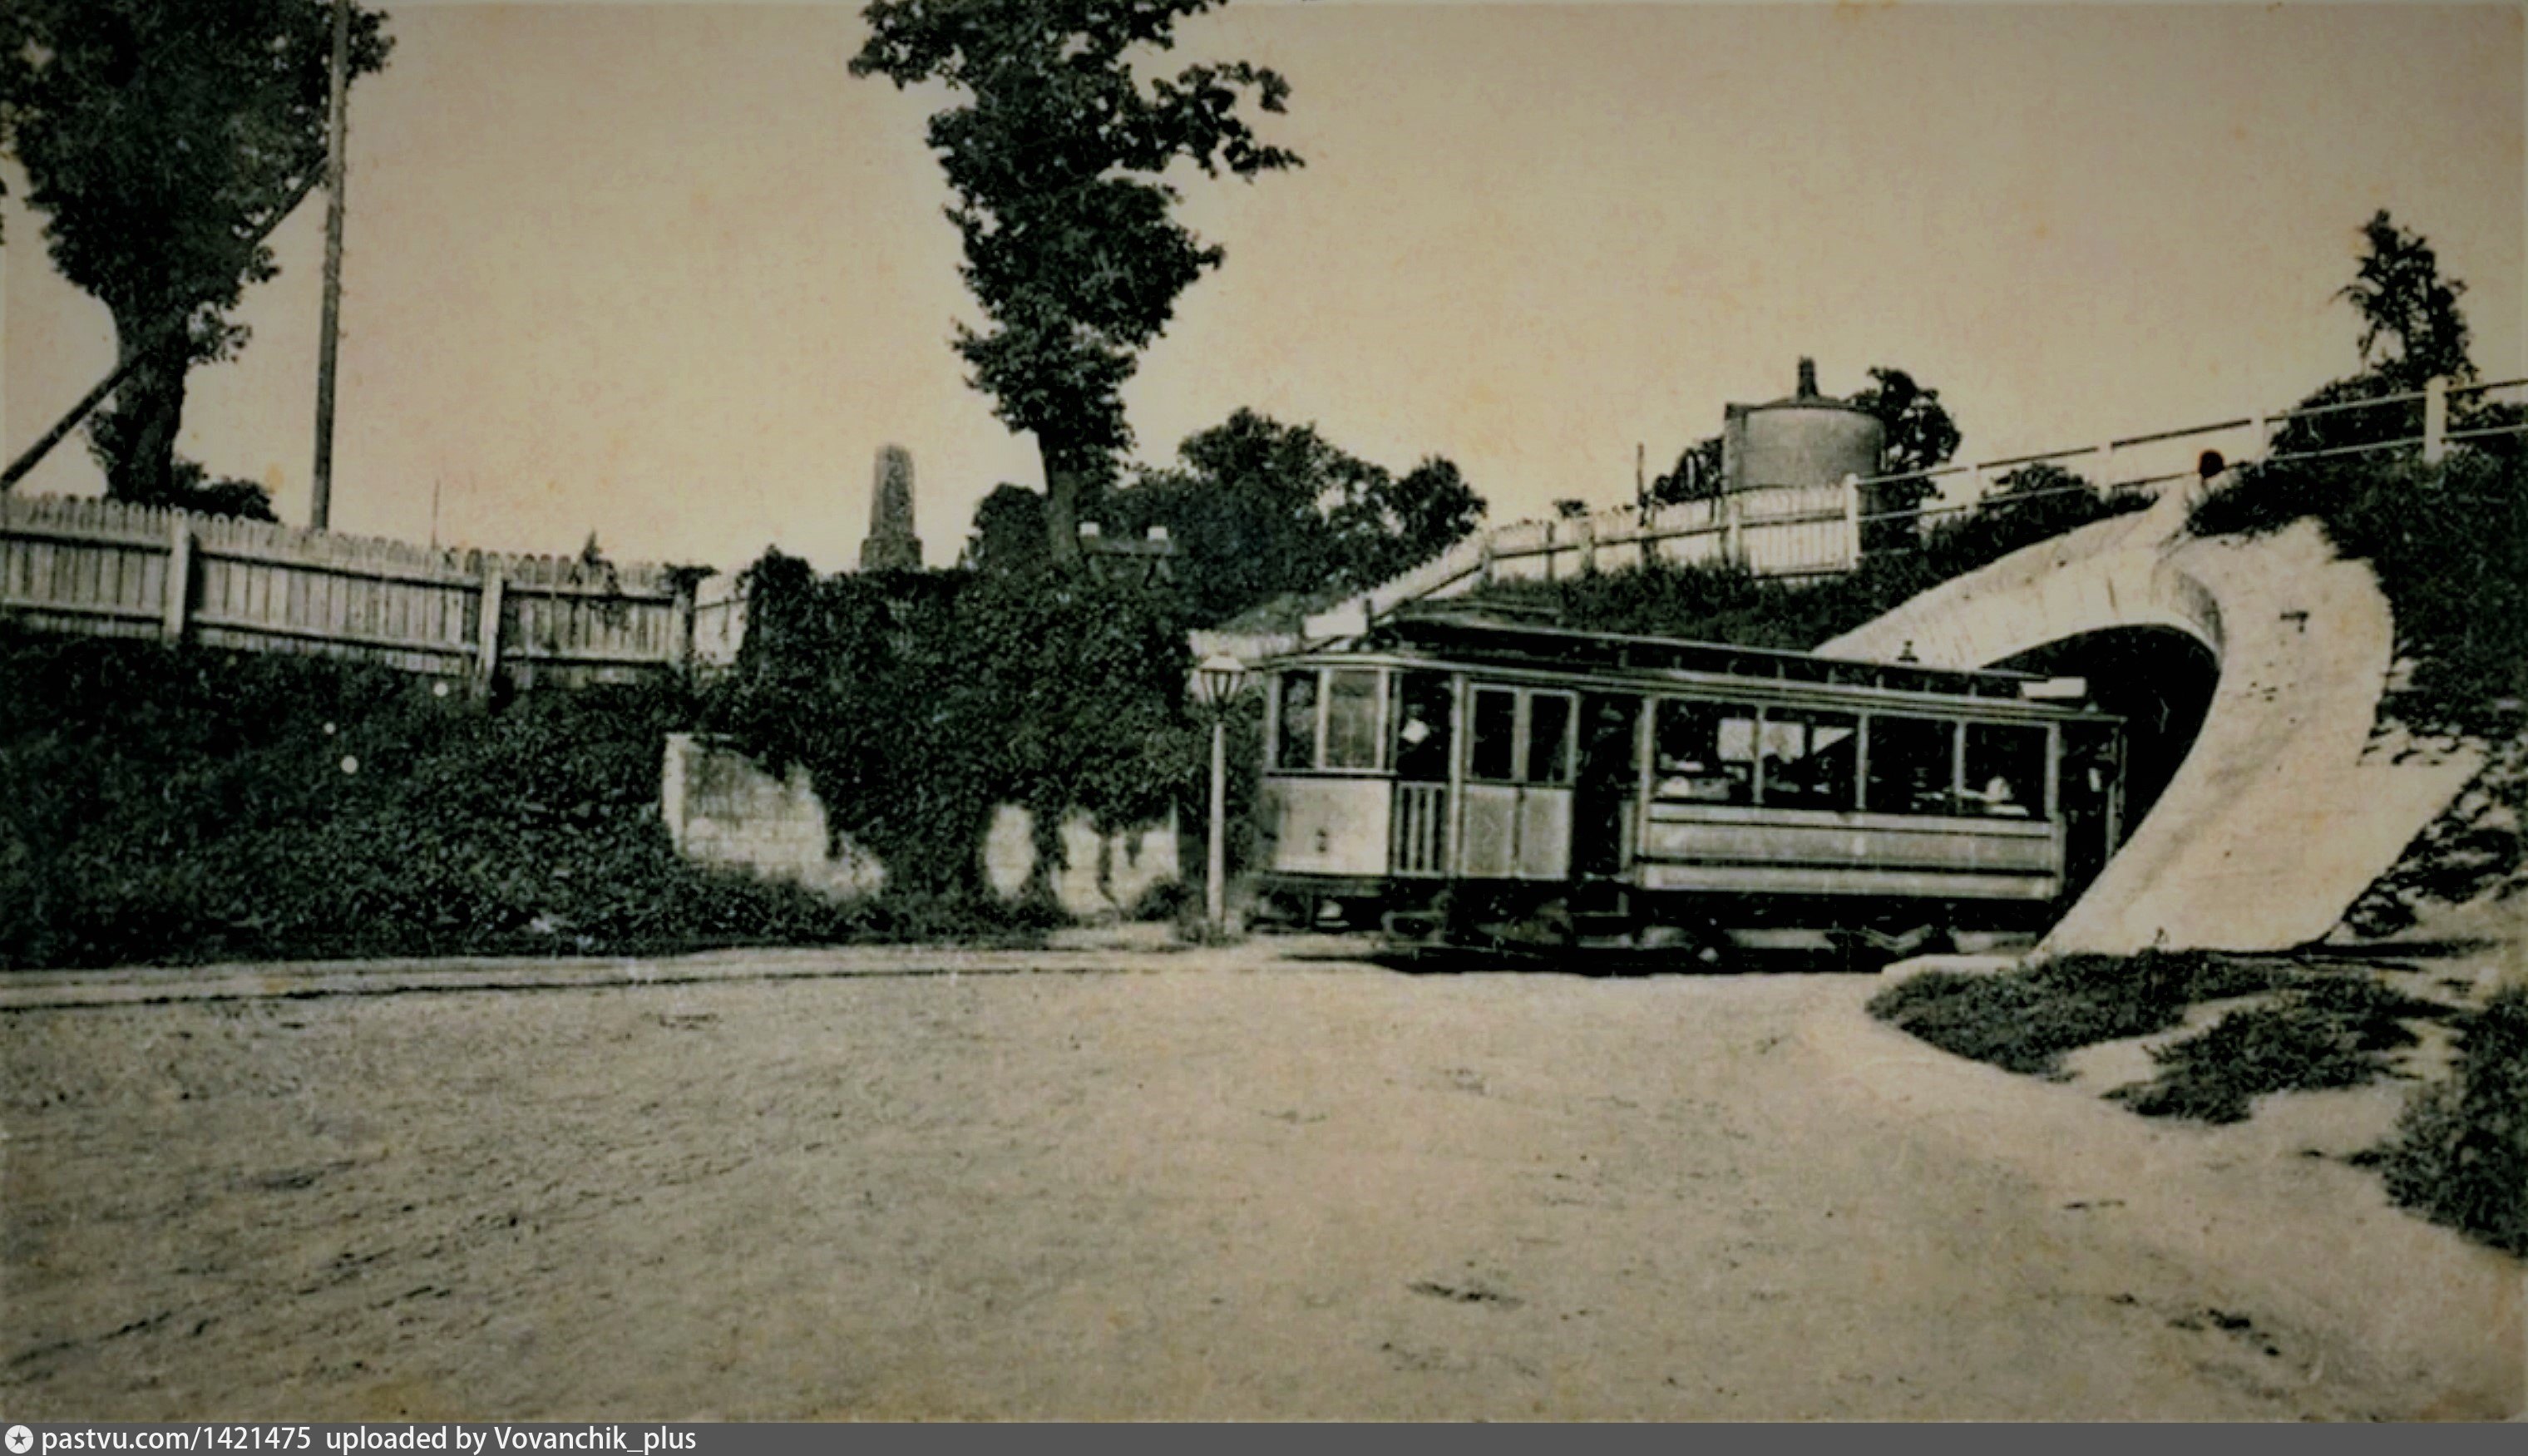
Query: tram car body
x,y
1454,779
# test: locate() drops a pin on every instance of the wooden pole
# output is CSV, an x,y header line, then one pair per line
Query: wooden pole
x,y
320,510
1214,861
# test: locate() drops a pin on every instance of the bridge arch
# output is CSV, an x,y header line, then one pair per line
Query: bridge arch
x,y
2287,803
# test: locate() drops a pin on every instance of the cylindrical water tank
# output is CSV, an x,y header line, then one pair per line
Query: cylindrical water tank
x,y
1805,442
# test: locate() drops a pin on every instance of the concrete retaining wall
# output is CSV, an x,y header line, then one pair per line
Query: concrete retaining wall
x,y
723,810
2290,803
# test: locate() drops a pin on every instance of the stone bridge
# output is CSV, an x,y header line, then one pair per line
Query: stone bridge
x,y
2291,800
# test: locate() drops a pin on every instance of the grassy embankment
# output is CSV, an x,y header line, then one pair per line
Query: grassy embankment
x,y
1723,604
164,806
2450,547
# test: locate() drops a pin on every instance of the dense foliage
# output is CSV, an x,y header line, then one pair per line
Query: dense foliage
x,y
1055,151
156,140
2460,1152
159,804
1260,510
2024,1021
2320,1032
919,702
2449,544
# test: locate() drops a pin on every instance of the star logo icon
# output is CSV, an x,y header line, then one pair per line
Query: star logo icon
x,y
21,1440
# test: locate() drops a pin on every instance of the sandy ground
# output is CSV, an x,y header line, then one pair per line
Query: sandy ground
x,y
1195,1185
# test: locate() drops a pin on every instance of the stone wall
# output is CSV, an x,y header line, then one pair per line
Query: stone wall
x,y
723,810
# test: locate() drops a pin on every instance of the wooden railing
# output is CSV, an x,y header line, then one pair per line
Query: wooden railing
x,y
1780,530
2254,437
104,568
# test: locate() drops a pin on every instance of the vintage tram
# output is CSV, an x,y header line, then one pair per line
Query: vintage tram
x,y
1460,779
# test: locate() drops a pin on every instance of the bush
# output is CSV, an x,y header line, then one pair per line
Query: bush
x,y
2459,1155
2321,1033
1725,603
919,702
2024,1021
165,805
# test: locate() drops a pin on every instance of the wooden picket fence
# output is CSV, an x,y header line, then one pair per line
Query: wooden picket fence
x,y
105,568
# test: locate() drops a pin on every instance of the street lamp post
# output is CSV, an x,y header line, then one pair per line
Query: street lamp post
x,y
1215,686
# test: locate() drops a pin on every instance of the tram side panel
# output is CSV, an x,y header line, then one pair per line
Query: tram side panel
x,y
1754,852
1387,783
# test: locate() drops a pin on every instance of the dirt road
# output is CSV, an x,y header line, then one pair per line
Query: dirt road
x,y
1197,1187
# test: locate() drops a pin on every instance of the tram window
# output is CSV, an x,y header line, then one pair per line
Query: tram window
x,y
1422,727
1548,738
1493,753
1912,766
1296,738
1810,758
1351,718
2005,770
1706,753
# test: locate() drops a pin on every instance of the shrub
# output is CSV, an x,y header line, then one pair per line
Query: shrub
x,y
919,702
2321,1032
1727,604
2024,1021
2459,1154
187,804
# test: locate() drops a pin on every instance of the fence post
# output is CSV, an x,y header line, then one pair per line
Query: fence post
x,y
487,626
2264,435
1484,560
2106,469
1733,531
2435,419
686,587
180,573
1588,526
1852,521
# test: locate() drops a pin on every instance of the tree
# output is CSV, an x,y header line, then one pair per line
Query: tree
x,y
1921,434
1697,476
1396,522
1055,157
1260,510
2411,331
1009,531
157,137
2406,304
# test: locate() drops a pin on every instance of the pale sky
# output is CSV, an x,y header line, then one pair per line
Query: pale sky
x,y
666,272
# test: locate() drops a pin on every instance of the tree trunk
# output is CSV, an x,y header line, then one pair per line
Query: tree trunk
x,y
134,438
1061,508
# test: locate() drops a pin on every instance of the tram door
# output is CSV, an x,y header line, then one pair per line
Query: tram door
x,y
1425,716
2090,787
1517,799
1609,775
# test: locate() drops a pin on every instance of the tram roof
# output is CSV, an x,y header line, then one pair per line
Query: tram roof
x,y
1470,637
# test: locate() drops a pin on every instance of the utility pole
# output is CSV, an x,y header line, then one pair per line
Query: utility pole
x,y
320,510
